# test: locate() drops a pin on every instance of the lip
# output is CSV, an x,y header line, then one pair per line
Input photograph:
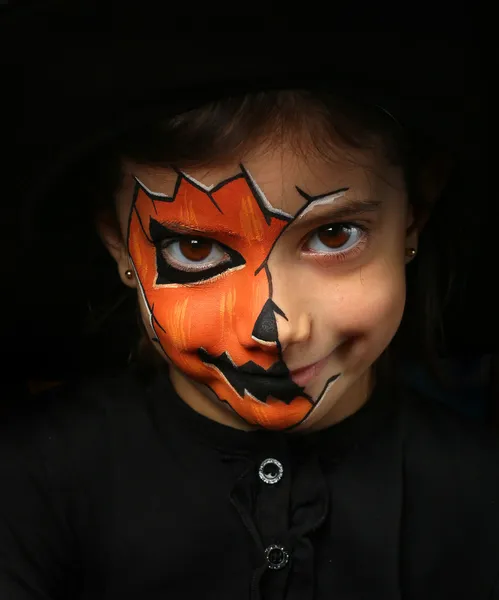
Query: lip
x,y
304,375
254,379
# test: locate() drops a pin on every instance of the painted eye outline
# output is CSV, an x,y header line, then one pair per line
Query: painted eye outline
x,y
170,275
161,235
194,266
340,253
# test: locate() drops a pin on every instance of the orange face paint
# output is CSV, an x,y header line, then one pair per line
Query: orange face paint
x,y
218,325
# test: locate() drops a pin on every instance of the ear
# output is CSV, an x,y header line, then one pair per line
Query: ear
x,y
110,234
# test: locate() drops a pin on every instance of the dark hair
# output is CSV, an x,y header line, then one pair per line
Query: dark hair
x,y
227,128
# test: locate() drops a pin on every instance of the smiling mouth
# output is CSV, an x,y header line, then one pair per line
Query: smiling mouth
x,y
253,379
305,375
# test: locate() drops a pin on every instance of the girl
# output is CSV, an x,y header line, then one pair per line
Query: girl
x,y
270,453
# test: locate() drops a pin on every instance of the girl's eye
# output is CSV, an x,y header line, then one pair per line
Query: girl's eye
x,y
193,254
334,238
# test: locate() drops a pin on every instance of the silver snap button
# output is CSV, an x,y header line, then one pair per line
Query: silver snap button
x,y
277,557
270,471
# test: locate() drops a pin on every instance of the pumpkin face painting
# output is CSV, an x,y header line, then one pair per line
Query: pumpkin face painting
x,y
203,296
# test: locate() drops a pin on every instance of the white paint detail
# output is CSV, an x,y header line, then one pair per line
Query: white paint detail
x,y
264,200
320,202
206,188
326,390
215,368
196,283
150,192
144,299
222,376
226,354
316,406
254,398
264,342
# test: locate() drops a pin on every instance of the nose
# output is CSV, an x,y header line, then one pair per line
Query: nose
x,y
294,330
268,333
261,323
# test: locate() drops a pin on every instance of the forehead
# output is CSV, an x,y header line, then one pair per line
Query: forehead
x,y
278,174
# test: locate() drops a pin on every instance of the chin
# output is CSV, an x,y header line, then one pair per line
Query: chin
x,y
325,406
340,399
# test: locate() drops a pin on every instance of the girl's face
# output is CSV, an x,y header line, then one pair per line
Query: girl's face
x,y
270,286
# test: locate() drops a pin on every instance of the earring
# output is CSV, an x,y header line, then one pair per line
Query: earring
x,y
129,274
410,252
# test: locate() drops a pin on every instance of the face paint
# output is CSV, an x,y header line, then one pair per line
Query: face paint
x,y
213,314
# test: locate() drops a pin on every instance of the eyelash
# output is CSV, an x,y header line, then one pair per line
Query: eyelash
x,y
342,255
166,243
338,256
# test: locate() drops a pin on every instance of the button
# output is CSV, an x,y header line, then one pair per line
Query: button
x,y
270,471
277,557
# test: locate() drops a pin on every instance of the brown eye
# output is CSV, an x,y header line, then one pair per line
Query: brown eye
x,y
193,254
334,236
195,249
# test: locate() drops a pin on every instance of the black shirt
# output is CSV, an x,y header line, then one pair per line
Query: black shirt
x,y
115,489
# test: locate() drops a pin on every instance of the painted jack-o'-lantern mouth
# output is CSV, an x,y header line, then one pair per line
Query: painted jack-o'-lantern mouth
x,y
253,379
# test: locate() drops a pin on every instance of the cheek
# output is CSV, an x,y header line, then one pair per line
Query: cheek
x,y
187,319
367,306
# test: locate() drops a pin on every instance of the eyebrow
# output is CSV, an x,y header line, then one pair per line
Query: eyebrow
x,y
181,229
337,205
350,208
342,210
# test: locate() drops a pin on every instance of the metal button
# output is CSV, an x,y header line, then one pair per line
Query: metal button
x,y
270,471
277,557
